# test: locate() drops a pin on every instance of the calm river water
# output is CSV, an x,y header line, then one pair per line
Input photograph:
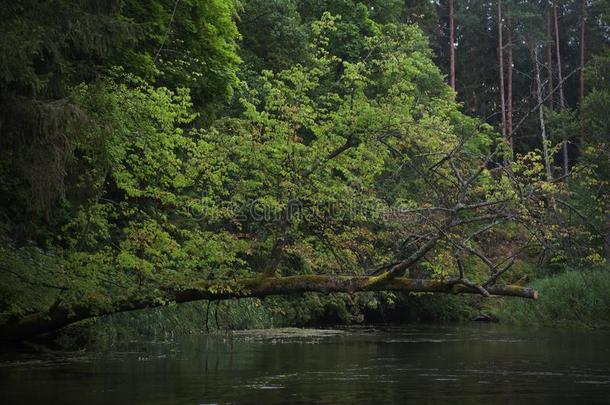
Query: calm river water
x,y
479,364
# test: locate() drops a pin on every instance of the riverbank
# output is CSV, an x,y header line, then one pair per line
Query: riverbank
x,y
569,299
310,310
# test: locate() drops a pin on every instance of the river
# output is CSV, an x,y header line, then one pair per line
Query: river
x,y
478,363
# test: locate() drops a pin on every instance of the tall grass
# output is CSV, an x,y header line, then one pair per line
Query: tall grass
x,y
579,299
569,299
308,310
165,323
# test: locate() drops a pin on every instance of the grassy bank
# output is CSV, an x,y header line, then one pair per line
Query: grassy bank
x,y
165,323
573,299
307,310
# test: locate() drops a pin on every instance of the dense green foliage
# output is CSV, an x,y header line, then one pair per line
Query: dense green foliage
x,y
147,145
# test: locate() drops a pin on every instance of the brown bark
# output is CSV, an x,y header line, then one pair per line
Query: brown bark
x,y
509,97
58,317
558,54
501,66
549,60
566,162
451,46
581,92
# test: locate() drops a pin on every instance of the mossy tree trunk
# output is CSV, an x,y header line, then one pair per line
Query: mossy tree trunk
x,y
59,316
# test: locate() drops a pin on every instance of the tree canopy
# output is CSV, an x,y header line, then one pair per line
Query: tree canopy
x,y
182,150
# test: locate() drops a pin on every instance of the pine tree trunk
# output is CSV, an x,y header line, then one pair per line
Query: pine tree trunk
x,y
451,46
581,92
501,66
558,54
549,59
509,100
566,162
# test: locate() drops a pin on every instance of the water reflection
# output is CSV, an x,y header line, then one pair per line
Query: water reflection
x,y
451,364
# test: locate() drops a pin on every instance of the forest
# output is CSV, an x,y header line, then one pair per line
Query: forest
x,y
161,152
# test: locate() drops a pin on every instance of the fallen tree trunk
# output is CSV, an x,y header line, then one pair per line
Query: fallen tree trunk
x,y
56,318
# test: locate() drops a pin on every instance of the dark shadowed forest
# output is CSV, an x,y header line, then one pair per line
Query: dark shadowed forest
x,y
162,152
304,201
